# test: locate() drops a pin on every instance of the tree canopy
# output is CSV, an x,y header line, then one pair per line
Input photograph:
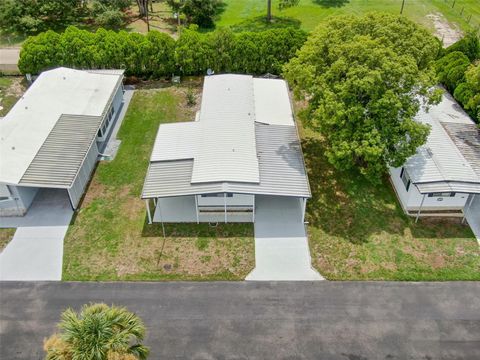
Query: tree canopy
x,y
365,78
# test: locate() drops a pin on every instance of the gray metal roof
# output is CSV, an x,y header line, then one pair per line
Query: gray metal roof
x,y
467,139
281,168
449,160
62,153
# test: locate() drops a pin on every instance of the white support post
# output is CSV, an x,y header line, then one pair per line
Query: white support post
x,y
253,210
468,208
196,209
225,205
420,208
304,209
155,202
147,202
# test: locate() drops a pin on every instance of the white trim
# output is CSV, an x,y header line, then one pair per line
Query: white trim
x,y
147,203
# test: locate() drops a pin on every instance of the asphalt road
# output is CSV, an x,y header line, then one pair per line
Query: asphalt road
x,y
323,320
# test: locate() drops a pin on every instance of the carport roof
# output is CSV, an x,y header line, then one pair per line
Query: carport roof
x,y
281,169
46,135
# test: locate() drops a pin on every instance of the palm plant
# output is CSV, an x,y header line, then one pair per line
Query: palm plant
x,y
98,332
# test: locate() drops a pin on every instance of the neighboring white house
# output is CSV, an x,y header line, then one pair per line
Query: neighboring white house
x,y
243,143
52,136
443,177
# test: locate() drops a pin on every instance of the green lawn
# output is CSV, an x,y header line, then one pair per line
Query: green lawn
x,y
5,236
11,88
110,239
310,12
358,231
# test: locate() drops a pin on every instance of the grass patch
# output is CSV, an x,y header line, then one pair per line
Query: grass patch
x,y
311,12
11,89
6,235
358,231
110,239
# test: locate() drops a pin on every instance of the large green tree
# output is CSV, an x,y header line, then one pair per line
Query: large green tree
x,y
98,332
365,78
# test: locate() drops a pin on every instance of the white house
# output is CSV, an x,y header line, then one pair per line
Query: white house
x,y
243,143
443,177
52,136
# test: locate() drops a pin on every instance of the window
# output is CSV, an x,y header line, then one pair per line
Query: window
x,y
405,178
442,194
217,195
99,134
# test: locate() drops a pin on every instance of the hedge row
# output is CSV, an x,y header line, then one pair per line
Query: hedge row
x,y
157,54
459,70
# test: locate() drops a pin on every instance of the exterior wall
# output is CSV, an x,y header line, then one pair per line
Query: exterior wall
x,y
235,201
412,199
117,102
21,199
78,188
183,209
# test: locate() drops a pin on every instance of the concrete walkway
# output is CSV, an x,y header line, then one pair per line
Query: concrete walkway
x,y
281,244
473,217
9,59
36,250
322,320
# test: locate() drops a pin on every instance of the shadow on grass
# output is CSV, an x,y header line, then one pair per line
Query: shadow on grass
x,y
331,3
193,230
260,23
346,205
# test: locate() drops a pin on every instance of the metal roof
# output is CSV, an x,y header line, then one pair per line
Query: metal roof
x,y
61,155
439,165
29,123
281,167
226,146
272,104
467,139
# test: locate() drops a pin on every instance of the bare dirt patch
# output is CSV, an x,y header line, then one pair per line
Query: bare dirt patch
x,y
445,31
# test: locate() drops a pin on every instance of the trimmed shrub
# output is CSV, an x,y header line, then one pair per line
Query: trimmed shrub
x,y
157,54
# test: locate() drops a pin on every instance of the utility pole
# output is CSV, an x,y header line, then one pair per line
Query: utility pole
x,y
403,5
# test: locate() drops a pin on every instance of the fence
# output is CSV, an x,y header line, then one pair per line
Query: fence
x,y
458,8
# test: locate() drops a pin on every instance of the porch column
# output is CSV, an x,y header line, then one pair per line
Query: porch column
x,y
420,208
196,208
225,205
304,200
468,208
155,202
253,210
147,202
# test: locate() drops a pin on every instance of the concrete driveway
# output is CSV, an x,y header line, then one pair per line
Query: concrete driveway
x,y
281,244
251,320
36,250
473,217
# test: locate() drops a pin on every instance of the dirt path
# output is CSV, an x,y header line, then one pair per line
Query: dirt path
x,y
448,33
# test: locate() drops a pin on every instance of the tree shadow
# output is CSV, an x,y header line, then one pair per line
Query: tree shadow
x,y
331,3
346,205
260,23
194,230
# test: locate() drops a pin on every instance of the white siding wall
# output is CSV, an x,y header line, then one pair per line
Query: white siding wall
x,y
76,191
234,200
21,199
413,198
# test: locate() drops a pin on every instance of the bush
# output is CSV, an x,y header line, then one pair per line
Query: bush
x,y
469,45
451,69
157,54
32,16
110,19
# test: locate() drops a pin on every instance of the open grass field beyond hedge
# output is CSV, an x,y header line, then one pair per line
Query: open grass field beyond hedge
x,y
249,14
